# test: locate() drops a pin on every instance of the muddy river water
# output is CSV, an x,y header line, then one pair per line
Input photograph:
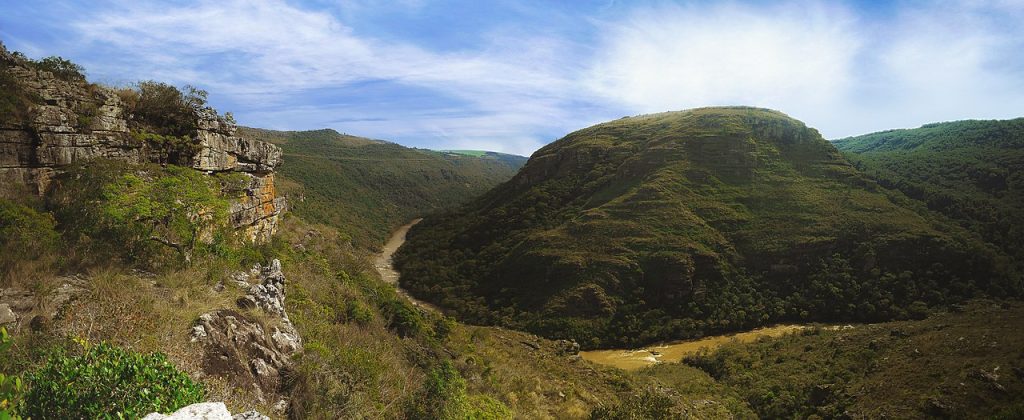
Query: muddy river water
x,y
384,263
672,352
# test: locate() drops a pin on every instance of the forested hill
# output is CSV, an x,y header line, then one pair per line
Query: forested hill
x,y
366,187
971,171
679,224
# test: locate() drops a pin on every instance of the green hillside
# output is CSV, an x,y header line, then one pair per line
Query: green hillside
x,y
512,160
685,223
366,187
971,171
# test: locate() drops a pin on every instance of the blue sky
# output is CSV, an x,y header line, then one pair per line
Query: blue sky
x,y
514,75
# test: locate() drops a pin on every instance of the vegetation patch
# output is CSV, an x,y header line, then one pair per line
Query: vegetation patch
x,y
102,380
677,225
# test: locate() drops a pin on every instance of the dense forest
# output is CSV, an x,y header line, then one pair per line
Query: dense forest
x,y
970,171
682,224
367,187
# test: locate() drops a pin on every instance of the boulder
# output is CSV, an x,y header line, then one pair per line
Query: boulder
x,y
251,354
7,315
203,411
206,411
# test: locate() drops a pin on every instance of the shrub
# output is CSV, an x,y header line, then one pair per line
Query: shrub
x,y
164,109
445,398
10,386
25,234
107,381
61,68
403,318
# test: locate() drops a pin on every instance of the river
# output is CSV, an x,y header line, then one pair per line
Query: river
x,y
385,264
631,359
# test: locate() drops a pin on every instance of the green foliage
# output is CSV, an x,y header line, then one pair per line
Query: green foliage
x,y
61,68
445,398
11,387
163,109
168,148
173,208
365,188
138,213
681,224
25,235
970,171
108,382
403,318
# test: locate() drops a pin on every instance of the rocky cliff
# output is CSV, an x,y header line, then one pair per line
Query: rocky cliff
x,y
56,122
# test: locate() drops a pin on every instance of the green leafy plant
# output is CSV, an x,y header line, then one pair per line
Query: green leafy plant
x,y
445,397
61,68
105,381
10,386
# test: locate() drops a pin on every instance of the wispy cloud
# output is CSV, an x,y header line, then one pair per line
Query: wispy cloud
x,y
840,69
515,75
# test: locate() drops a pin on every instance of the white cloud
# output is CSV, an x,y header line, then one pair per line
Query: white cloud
x,y
282,51
841,71
676,57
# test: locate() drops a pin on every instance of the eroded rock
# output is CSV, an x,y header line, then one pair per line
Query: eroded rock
x,y
73,121
238,347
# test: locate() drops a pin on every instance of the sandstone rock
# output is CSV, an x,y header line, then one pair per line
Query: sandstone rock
x,y
205,411
241,349
75,122
7,315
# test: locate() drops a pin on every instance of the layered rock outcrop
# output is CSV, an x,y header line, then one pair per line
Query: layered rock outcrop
x,y
250,353
70,121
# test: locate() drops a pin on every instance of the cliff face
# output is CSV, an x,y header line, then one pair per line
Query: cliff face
x,y
69,122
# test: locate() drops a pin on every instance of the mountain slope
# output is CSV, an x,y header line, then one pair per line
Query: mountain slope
x,y
366,187
683,223
971,171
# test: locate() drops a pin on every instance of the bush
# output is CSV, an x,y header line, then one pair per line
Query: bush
x,y
25,234
164,109
10,386
107,381
444,397
61,68
403,318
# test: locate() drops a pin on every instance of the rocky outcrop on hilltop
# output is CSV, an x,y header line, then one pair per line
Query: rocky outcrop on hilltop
x,y
70,121
250,353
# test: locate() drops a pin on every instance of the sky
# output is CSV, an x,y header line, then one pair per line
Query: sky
x,y
511,76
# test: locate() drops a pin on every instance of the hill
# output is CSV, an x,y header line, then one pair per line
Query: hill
x,y
365,187
685,223
964,363
970,171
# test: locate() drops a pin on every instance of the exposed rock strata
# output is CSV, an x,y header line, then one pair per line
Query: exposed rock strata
x,y
71,122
